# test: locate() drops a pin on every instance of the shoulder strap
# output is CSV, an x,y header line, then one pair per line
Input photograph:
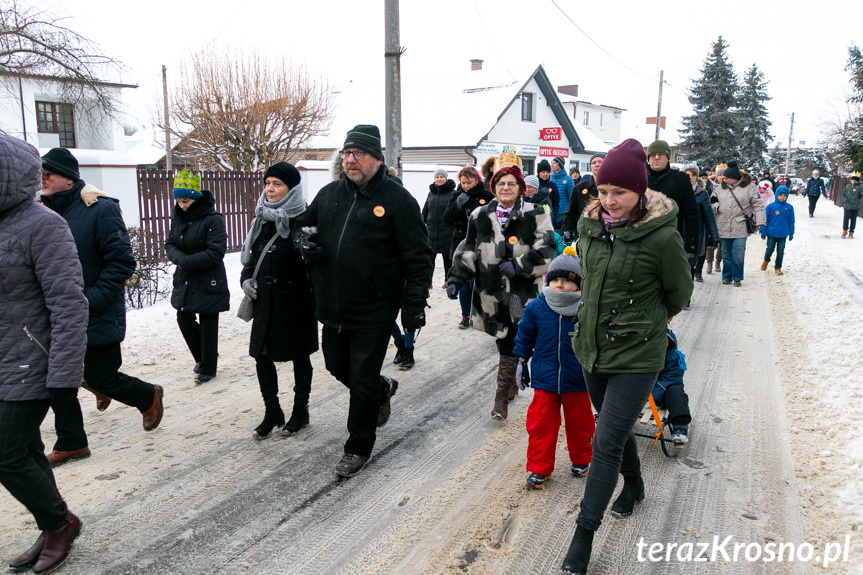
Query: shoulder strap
x,y
263,253
736,200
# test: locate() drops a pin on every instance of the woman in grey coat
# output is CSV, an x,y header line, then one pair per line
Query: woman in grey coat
x,y
43,336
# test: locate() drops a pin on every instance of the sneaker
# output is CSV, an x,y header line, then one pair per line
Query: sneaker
x,y
350,464
579,470
726,282
465,322
536,481
384,412
679,435
736,284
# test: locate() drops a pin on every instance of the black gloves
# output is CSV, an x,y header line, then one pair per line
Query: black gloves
x,y
462,200
507,269
413,320
566,237
452,290
692,259
714,200
522,374
306,243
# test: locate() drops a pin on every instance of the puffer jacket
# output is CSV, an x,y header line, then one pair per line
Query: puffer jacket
x,y
730,219
197,243
852,196
528,241
105,253
672,372
634,279
41,286
564,184
375,253
440,232
545,337
815,187
780,220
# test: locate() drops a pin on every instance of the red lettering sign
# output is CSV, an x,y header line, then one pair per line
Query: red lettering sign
x,y
552,152
547,134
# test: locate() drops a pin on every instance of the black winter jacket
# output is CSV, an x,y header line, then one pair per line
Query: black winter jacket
x,y
582,194
197,243
105,254
676,186
40,286
440,232
460,206
375,257
284,324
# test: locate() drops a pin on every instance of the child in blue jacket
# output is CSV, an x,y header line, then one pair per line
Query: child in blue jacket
x,y
668,392
545,337
780,224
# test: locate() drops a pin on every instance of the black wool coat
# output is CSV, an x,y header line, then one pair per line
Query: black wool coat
x,y
196,244
676,186
582,194
375,253
284,327
458,210
440,232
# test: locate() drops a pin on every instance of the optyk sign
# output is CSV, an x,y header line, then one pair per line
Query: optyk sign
x,y
546,134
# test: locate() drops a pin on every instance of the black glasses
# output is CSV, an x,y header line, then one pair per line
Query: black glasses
x,y
46,174
358,154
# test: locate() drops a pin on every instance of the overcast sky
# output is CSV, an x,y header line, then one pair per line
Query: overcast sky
x,y
615,58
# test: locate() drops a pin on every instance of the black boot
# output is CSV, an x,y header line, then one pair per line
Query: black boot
x,y
632,493
268,380
578,555
302,390
400,354
408,359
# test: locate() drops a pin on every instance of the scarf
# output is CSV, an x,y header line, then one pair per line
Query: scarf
x,y
503,214
281,213
609,222
563,303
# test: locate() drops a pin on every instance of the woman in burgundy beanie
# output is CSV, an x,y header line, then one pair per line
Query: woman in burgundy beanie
x,y
635,278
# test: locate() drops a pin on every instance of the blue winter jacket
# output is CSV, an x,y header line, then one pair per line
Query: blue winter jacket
x,y
780,220
564,189
547,337
672,373
814,187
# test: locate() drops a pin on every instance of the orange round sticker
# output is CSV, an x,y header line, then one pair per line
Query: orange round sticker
x,y
776,212
583,192
512,240
481,202
379,211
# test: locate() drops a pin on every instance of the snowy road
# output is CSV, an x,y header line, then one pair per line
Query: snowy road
x,y
444,492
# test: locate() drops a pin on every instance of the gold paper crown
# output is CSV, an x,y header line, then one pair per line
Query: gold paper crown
x,y
185,181
505,160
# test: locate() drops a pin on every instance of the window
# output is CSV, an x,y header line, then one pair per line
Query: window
x,y
587,117
527,166
55,118
600,119
526,107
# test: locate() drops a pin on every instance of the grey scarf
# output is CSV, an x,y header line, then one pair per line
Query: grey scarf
x,y
281,213
565,303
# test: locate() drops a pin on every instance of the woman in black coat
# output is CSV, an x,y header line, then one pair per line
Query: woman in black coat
x,y
284,327
196,244
440,232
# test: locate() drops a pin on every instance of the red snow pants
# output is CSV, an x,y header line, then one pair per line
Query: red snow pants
x,y
543,425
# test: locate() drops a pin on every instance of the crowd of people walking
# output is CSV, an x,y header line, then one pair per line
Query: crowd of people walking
x,y
590,321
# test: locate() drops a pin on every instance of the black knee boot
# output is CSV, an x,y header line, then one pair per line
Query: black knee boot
x,y
268,380
302,389
632,493
578,555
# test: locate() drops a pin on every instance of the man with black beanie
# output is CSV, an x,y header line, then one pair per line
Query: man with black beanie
x,y
674,184
107,262
366,245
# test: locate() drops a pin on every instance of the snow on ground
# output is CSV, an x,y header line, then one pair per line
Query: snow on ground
x,y
816,311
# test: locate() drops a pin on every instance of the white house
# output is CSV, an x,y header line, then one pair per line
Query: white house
x,y
32,109
601,120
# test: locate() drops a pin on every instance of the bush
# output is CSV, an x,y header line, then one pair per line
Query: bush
x,y
151,281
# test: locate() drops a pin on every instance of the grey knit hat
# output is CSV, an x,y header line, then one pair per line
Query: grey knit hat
x,y
565,266
559,161
441,172
532,181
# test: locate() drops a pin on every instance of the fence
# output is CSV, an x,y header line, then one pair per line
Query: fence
x,y
236,194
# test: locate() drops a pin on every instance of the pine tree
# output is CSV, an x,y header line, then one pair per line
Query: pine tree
x,y
753,125
711,133
810,159
851,150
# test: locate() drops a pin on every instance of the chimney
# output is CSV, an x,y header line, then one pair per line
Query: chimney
x,y
475,64
571,90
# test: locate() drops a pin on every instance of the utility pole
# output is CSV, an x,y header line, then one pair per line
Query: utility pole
x,y
392,73
168,163
659,103
788,151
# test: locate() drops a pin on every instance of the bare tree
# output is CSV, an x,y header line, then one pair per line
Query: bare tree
x,y
240,110
38,45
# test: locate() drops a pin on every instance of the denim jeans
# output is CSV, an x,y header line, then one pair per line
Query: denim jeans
x,y
619,399
733,250
464,296
406,340
779,245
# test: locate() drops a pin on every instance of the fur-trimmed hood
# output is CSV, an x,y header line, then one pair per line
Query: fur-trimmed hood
x,y
744,181
658,205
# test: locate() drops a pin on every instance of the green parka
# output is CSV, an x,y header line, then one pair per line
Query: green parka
x,y
634,278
